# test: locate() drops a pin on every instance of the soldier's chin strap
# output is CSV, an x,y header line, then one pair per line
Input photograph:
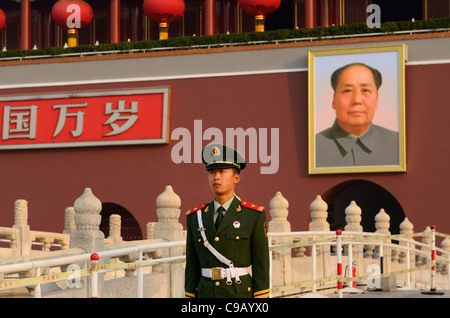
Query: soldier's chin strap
x,y
230,272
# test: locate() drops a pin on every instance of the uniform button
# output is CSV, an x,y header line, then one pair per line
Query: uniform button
x,y
249,289
199,240
237,237
216,239
217,283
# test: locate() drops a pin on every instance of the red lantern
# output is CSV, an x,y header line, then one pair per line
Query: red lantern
x,y
2,19
164,12
259,9
72,15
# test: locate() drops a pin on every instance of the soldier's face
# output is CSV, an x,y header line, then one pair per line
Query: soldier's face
x,y
223,181
356,99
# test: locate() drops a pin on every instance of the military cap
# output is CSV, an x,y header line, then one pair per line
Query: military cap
x,y
216,156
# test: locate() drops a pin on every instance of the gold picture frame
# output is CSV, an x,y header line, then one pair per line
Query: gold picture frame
x,y
338,113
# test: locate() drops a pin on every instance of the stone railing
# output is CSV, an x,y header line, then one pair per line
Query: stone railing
x,y
292,268
21,239
82,235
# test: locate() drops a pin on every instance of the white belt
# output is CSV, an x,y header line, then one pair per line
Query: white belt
x,y
228,273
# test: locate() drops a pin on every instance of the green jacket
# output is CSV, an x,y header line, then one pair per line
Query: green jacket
x,y
241,237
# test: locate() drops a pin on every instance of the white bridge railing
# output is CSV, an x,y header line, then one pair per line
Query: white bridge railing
x,y
302,263
97,264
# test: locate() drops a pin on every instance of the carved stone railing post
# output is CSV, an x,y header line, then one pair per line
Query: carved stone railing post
x,y
169,228
278,214
24,239
168,211
353,218
319,214
445,245
382,224
87,234
150,230
21,223
406,227
69,220
115,224
353,223
278,209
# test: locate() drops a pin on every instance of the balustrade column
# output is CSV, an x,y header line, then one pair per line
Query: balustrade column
x,y
169,228
21,223
353,219
319,214
382,224
382,227
115,225
279,212
445,245
408,257
69,220
87,234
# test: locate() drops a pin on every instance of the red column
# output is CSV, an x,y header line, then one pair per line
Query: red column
x,y
114,21
310,13
210,17
324,13
335,12
25,25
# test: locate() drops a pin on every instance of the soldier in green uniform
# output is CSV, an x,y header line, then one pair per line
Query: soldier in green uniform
x,y
227,254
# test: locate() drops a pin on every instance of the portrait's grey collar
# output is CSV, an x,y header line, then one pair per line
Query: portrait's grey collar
x,y
347,141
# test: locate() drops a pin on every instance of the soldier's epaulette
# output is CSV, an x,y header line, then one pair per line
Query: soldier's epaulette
x,y
196,209
252,206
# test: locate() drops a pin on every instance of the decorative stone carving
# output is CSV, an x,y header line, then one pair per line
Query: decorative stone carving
x,y
69,221
21,223
168,211
319,215
406,227
382,222
353,218
20,212
279,213
87,219
115,224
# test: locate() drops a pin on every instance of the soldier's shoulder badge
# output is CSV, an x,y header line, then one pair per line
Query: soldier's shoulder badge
x,y
252,206
196,209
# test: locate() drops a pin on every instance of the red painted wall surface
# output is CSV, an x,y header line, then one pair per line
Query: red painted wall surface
x,y
133,176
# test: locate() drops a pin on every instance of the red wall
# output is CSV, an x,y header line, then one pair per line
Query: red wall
x,y
133,176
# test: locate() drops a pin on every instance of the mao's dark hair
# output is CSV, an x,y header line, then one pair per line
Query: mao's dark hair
x,y
337,73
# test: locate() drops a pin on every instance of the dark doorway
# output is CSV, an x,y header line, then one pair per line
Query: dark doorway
x,y
370,197
130,228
